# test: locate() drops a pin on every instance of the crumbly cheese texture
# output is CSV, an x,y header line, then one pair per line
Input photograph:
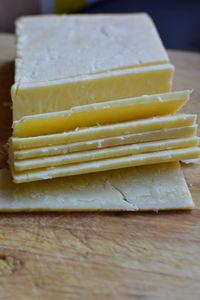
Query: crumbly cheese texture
x,y
106,131
65,61
106,164
101,113
157,187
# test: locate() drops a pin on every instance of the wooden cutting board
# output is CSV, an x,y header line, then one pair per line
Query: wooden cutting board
x,y
101,255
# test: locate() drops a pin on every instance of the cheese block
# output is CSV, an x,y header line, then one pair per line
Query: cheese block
x,y
85,156
141,188
162,134
102,39
97,132
65,61
107,164
101,113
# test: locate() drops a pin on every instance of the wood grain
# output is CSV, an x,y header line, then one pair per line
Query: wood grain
x,y
135,256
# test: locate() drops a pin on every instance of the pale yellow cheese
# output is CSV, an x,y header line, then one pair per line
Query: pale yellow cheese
x,y
44,97
107,164
65,61
104,131
162,134
102,113
55,47
141,188
85,156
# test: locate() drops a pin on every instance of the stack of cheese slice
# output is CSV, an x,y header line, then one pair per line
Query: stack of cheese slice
x,y
78,108
149,132
139,188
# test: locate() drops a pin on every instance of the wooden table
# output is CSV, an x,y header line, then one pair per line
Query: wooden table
x,y
135,256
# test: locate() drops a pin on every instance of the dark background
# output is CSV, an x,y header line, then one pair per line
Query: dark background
x,y
178,22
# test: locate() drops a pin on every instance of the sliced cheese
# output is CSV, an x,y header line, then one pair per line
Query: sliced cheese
x,y
112,152
154,187
102,113
104,131
162,134
65,61
44,97
107,164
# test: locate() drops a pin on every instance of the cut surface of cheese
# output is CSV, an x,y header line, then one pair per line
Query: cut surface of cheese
x,y
112,152
157,135
154,187
104,131
102,113
44,97
52,42
107,164
65,61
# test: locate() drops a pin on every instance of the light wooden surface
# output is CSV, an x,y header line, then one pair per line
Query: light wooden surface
x,y
135,256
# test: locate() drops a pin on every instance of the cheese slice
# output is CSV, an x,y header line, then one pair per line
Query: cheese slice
x,y
65,61
102,113
107,164
154,187
44,97
112,152
104,131
165,133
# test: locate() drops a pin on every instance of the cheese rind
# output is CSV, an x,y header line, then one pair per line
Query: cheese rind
x,y
44,97
104,131
87,156
165,133
107,164
141,188
102,113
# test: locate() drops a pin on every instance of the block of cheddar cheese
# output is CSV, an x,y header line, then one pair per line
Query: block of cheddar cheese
x,y
66,61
